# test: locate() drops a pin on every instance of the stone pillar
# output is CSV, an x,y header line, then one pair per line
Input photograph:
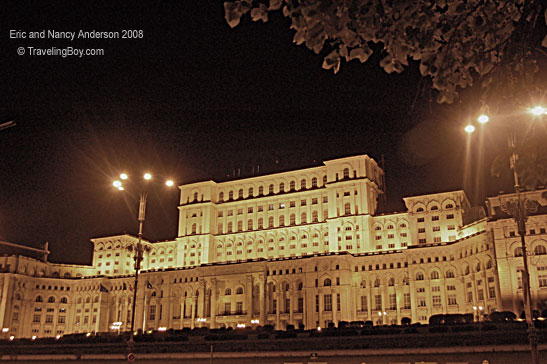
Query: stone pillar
x,y
213,303
277,307
262,281
193,303
249,298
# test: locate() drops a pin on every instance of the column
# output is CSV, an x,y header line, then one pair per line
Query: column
x,y
262,291
277,307
213,303
193,302
249,298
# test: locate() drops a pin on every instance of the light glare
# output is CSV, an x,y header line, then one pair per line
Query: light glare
x,y
538,110
121,188
469,129
147,176
123,176
117,184
483,119
170,183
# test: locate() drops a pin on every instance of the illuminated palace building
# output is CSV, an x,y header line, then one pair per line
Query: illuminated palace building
x,y
304,247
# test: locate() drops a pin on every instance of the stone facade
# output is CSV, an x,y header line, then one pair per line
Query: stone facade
x,y
300,247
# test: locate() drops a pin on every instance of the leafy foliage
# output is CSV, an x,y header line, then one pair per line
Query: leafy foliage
x,y
455,42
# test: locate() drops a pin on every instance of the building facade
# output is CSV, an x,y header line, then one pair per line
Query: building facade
x,y
304,247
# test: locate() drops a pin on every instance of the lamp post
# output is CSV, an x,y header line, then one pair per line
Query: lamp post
x,y
519,210
139,248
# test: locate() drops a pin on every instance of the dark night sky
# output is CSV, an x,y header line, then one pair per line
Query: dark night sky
x,y
193,99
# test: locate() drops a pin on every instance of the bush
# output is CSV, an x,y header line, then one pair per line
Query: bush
x,y
438,329
405,321
503,316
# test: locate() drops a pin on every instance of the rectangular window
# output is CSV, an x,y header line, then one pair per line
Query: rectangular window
x,y
36,318
436,301
421,240
316,303
260,208
327,302
406,299
481,294
421,219
421,230
287,305
451,227
152,312
452,300
450,216
300,304
435,218
249,210
338,302
270,207
49,319
421,302
227,308
469,296
239,308
392,301
378,302
364,304
436,228
437,239
492,291
302,202
61,320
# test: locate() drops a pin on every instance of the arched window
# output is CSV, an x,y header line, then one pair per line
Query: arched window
x,y
285,287
96,299
230,227
314,182
518,251
478,268
391,282
240,194
419,276
390,227
303,218
17,297
405,281
540,250
239,290
51,299
39,299
270,222
363,284
489,264
282,220
79,300
227,292
260,223
303,184
249,224
300,286
292,186
88,300
250,193
230,195
281,187
240,226
449,273
324,180
326,282
64,300
194,228
435,207
466,270
420,209
195,196
449,206
377,282
378,228
271,189
346,172
260,190
292,219
220,228
434,275
347,208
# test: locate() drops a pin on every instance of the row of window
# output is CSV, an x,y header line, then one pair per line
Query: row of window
x,y
435,207
436,218
271,187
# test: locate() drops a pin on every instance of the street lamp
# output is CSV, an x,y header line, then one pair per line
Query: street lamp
x,y
139,248
519,210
